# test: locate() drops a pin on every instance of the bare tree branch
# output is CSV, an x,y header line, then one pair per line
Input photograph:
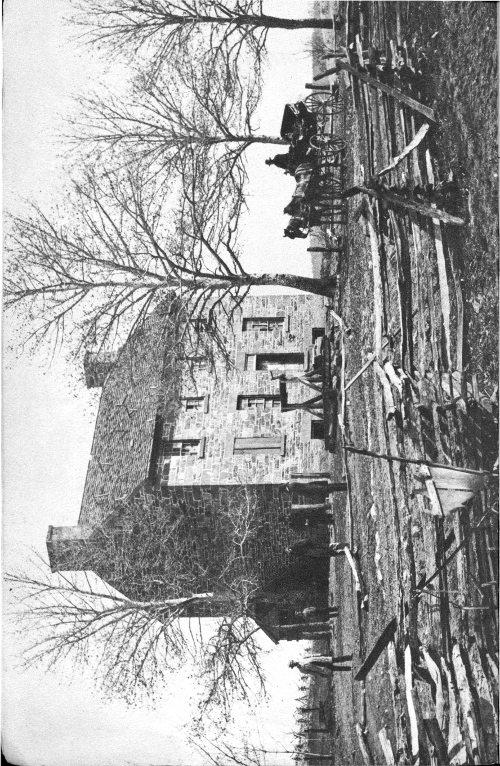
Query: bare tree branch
x,y
123,244
161,28
136,620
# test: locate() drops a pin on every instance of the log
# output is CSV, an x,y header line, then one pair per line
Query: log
x,y
456,744
436,677
363,745
314,488
394,378
311,507
324,249
388,397
443,281
413,461
410,704
405,202
360,372
378,303
390,91
467,704
313,86
437,741
386,746
416,140
383,640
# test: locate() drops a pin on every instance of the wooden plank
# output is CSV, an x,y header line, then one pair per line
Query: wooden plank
x,y
414,461
383,640
416,140
436,738
360,372
386,746
411,706
363,746
377,281
426,210
374,83
467,705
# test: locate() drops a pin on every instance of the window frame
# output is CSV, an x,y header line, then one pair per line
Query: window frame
x,y
278,448
203,401
272,399
268,324
252,361
197,443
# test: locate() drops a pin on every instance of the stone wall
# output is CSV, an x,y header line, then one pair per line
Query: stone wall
x,y
219,421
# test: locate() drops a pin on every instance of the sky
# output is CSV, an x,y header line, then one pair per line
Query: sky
x,y
48,417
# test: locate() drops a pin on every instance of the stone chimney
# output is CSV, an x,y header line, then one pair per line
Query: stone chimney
x,y
66,547
97,365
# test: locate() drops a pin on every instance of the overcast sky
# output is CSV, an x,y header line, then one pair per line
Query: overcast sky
x,y
48,417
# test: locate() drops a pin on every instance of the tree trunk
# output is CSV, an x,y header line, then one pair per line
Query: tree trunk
x,y
254,20
227,282
275,22
265,140
306,284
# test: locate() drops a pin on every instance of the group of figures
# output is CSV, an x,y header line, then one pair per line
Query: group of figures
x,y
309,203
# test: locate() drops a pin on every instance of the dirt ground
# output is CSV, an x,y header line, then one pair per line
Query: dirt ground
x,y
399,544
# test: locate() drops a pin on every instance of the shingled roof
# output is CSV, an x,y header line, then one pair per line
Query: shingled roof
x,y
121,449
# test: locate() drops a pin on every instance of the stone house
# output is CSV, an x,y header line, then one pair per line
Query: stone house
x,y
196,438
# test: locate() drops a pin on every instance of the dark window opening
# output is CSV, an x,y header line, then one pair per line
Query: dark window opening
x,y
283,361
180,448
258,402
317,332
317,429
193,403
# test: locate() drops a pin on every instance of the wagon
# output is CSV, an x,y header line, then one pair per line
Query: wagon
x,y
311,199
313,155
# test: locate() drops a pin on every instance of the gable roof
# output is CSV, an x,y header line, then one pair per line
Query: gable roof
x,y
121,449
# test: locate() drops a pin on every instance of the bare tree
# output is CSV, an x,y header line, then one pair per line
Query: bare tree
x,y
193,105
98,267
142,620
237,26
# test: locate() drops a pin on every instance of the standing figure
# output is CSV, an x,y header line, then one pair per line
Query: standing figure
x,y
322,666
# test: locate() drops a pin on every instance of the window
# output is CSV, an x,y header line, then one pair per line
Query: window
x,y
197,362
274,362
195,403
317,429
259,445
317,332
258,402
263,324
182,447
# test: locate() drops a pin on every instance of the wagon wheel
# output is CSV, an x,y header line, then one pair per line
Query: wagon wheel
x,y
330,185
324,103
327,143
317,102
